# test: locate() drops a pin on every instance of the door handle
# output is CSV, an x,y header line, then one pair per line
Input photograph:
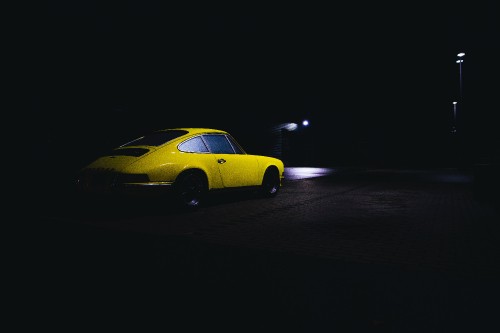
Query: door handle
x,y
221,161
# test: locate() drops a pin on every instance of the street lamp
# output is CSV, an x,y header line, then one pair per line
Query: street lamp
x,y
454,128
459,62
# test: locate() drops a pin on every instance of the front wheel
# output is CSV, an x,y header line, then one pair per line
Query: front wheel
x,y
191,189
270,183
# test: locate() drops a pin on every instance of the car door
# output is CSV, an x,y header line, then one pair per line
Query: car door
x,y
236,168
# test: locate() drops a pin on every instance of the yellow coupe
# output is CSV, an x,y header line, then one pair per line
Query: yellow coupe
x,y
189,162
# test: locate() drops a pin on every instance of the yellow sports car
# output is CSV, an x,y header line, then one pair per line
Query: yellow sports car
x,y
189,162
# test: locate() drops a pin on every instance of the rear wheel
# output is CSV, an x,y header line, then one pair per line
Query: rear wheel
x,y
270,183
191,189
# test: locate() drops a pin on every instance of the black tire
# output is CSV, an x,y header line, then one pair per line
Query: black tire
x,y
270,183
191,189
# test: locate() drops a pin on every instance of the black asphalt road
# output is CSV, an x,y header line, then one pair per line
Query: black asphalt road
x,y
360,251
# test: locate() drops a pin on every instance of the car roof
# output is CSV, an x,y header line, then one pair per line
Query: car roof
x,y
198,130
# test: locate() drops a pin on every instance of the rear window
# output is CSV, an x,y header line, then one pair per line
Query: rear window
x,y
156,138
194,145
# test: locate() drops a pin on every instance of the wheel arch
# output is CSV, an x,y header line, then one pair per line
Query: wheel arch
x,y
271,168
198,171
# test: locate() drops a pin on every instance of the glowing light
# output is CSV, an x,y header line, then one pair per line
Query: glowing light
x,y
454,103
292,173
290,126
461,54
459,61
305,123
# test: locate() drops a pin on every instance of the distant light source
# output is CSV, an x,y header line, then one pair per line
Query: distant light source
x,y
454,127
286,127
459,62
305,123
290,126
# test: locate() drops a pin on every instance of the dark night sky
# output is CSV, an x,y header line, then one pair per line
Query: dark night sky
x,y
374,80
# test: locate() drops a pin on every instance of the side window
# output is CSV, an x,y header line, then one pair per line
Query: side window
x,y
194,145
235,145
218,144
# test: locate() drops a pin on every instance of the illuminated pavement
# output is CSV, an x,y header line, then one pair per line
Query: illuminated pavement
x,y
295,173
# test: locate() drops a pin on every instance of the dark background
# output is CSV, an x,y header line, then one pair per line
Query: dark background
x,y
376,81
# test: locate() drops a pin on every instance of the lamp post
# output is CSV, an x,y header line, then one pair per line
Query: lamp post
x,y
459,62
454,127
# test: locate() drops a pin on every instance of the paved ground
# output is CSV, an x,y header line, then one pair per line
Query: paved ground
x,y
364,251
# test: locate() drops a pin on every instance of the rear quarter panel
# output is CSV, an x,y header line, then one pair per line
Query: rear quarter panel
x,y
167,164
